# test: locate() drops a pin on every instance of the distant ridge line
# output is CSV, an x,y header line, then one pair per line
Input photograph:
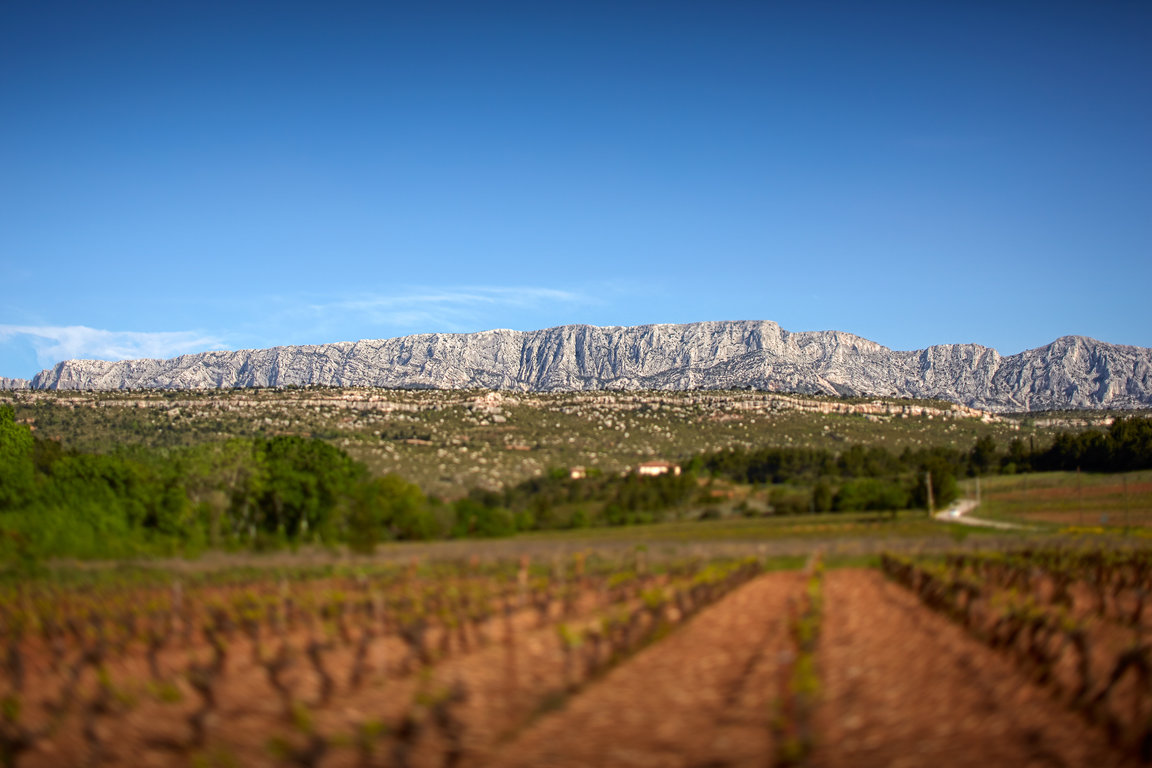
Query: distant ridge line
x,y
1072,372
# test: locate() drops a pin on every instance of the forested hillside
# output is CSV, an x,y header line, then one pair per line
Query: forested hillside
x,y
285,490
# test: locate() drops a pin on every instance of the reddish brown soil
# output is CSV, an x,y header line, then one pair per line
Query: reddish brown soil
x,y
905,687
901,686
701,697
505,677
503,682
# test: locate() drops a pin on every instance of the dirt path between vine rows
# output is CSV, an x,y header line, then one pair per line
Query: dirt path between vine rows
x,y
903,686
700,697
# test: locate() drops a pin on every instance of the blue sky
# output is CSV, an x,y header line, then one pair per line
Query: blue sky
x,y
182,176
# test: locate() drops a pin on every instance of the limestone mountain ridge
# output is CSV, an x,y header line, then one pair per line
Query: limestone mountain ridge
x,y
1072,372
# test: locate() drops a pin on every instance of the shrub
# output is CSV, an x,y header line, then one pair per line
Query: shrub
x,y
871,494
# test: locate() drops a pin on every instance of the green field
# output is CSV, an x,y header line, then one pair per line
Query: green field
x,y
1082,499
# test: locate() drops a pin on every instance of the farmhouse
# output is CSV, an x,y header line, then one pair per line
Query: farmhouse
x,y
654,468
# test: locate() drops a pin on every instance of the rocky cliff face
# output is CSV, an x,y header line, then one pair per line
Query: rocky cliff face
x,y
7,383
1072,372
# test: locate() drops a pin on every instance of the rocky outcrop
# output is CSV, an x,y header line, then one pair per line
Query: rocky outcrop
x,y
7,383
1072,372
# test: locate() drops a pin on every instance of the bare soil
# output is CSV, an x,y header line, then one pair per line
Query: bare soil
x,y
701,697
906,687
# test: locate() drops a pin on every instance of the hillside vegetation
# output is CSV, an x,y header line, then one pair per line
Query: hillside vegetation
x,y
115,475
449,442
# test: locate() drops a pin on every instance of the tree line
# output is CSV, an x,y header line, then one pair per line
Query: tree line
x,y
1125,446
875,478
245,492
858,478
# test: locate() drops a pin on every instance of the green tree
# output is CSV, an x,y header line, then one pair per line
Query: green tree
x,y
944,488
406,511
17,468
1131,443
306,481
1018,457
476,519
870,493
983,457
223,482
822,495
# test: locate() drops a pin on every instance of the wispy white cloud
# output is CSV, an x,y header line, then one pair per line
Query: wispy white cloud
x,y
54,343
450,308
351,316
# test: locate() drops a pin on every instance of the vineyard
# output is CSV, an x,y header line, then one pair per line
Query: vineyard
x,y
588,659
1074,621
1069,498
